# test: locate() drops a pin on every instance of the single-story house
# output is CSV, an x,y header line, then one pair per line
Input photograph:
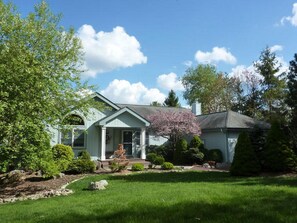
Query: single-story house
x,y
102,131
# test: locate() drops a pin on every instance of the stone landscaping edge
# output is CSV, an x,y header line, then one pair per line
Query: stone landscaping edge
x,y
43,194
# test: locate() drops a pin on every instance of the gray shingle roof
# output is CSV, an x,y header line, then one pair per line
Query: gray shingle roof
x,y
146,110
229,120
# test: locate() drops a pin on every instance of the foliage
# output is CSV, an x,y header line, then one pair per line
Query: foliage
x,y
292,100
171,100
120,162
181,148
137,167
278,155
63,156
167,166
196,142
273,85
82,164
156,104
245,162
258,140
193,156
173,125
39,81
215,155
214,90
154,159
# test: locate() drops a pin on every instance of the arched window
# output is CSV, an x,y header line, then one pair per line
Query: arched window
x,y
74,135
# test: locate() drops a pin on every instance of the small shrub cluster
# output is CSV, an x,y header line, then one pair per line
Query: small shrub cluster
x,y
167,166
154,159
83,164
215,155
137,167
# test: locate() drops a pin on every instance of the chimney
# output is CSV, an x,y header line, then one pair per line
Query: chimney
x,y
196,108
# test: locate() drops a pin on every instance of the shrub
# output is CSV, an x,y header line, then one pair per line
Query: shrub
x,y
83,164
181,148
215,155
245,162
154,159
137,167
49,168
84,155
196,142
167,166
193,155
62,155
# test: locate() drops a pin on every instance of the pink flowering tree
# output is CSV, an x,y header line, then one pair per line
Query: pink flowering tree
x,y
173,125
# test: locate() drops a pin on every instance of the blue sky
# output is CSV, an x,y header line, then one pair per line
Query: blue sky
x,y
137,50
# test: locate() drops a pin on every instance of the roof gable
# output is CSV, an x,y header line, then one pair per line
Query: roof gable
x,y
118,113
105,100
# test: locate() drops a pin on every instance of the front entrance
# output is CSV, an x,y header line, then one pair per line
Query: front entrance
x,y
128,142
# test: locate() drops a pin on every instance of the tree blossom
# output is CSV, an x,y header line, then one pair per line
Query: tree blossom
x,y
174,124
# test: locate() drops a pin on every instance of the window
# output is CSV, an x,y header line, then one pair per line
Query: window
x,y
74,135
137,138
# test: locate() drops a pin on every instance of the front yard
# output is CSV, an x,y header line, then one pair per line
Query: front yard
x,y
166,197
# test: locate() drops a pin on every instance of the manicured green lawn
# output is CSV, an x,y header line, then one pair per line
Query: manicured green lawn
x,y
166,197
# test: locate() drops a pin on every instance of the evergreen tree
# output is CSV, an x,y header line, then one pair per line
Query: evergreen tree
x,y
245,162
171,100
278,156
292,100
273,86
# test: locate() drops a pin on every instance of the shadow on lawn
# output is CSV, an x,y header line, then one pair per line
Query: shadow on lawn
x,y
265,208
211,177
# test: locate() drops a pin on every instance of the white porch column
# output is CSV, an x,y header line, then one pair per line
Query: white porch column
x,y
103,142
142,143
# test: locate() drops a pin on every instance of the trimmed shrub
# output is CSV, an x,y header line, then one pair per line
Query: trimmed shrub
x,y
215,155
181,148
193,155
154,159
167,166
84,155
196,142
137,167
83,164
63,156
245,162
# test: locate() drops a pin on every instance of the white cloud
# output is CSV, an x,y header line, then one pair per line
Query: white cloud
x,y
122,91
218,54
106,51
170,81
291,19
276,48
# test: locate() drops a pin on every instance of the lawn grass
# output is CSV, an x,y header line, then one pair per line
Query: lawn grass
x,y
166,197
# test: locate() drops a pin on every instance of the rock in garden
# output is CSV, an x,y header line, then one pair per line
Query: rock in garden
x,y
206,165
99,185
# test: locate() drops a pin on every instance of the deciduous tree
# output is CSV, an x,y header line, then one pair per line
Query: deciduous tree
x,y
39,82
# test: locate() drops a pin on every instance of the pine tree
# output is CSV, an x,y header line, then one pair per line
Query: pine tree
x,y
171,100
245,162
278,156
292,100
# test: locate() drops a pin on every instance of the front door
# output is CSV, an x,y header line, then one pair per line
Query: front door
x,y
127,142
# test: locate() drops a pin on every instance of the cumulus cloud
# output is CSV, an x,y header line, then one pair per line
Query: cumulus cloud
x,y
106,51
218,54
291,19
170,81
122,91
276,48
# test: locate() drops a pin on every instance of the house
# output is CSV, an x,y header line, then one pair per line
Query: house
x,y
220,130
102,131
